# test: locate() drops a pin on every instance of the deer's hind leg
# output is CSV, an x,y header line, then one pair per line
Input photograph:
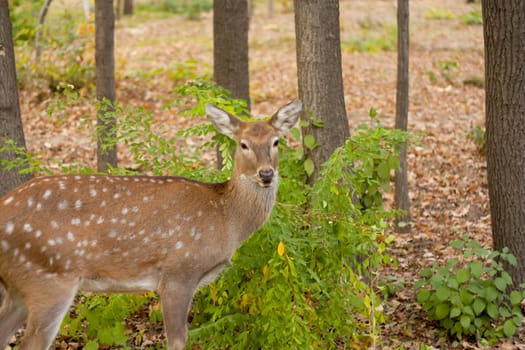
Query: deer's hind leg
x,y
45,311
175,298
12,316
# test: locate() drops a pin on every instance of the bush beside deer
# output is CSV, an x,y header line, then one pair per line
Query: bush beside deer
x,y
62,234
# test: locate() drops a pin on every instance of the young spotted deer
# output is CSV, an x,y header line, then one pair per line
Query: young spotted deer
x,y
62,234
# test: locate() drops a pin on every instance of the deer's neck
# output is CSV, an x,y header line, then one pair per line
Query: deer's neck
x,y
249,204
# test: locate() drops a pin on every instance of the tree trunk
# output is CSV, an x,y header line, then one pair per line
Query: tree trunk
x,y
105,84
319,76
504,36
41,19
128,8
10,118
230,49
402,199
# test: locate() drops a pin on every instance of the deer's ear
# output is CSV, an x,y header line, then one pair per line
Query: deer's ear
x,y
286,117
226,123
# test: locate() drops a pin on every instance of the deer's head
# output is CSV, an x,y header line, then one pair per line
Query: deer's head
x,y
256,156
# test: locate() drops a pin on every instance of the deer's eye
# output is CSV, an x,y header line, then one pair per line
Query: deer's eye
x,y
276,143
244,146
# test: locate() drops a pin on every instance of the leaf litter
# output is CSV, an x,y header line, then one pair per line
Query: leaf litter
x,y
447,173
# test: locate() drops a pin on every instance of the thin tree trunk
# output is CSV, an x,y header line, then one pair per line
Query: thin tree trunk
x,y
41,19
504,36
402,199
105,83
320,78
128,8
10,118
230,49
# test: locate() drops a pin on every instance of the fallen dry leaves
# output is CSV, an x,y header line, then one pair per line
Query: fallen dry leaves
x,y
447,174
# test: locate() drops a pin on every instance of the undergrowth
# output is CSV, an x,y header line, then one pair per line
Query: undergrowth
x,y
307,280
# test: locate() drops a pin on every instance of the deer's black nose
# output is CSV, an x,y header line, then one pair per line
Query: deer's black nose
x,y
266,175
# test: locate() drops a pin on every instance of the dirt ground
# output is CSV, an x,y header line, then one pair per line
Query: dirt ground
x,y
447,173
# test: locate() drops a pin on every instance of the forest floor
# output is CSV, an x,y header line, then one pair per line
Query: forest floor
x,y
447,172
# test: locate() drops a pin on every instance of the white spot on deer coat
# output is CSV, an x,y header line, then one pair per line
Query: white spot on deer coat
x,y
9,227
93,192
54,224
30,202
75,221
27,246
62,205
179,245
4,245
78,204
112,234
8,200
47,194
28,228
70,236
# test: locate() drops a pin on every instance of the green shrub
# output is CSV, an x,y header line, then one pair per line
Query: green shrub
x,y
438,13
189,8
99,319
308,278
472,18
469,295
24,19
385,40
478,136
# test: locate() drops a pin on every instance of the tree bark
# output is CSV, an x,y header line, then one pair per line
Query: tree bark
x,y
319,74
230,49
105,83
402,200
10,118
128,8
504,37
41,19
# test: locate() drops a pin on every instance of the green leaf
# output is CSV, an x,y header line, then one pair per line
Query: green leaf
x,y
457,244
491,293
478,306
309,166
455,312
372,112
509,328
443,293
465,321
511,259
476,269
492,311
423,296
500,283
466,297
462,275
309,142
515,297
383,171
91,345
442,311
318,123
426,272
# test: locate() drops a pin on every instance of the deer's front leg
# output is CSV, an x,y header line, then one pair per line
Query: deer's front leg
x,y
175,299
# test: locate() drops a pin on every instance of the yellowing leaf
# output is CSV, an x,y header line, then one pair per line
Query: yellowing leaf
x,y
280,248
266,271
